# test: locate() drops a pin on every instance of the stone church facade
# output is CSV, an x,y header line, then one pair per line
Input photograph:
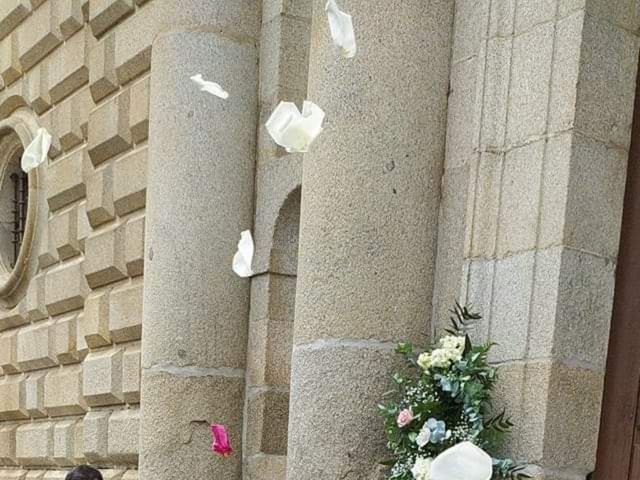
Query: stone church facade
x,y
473,150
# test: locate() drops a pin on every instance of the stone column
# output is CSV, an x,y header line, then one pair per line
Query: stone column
x,y
200,198
371,188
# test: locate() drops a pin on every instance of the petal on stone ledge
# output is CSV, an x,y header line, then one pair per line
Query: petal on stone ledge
x,y
464,461
244,256
341,26
210,87
37,151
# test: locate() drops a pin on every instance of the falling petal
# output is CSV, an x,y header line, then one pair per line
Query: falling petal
x,y
244,256
464,461
221,444
210,87
37,151
293,130
341,26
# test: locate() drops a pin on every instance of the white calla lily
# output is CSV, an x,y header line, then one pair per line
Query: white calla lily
x,y
464,461
211,87
244,256
293,130
37,151
341,26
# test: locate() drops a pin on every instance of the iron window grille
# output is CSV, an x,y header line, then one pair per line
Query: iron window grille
x,y
20,183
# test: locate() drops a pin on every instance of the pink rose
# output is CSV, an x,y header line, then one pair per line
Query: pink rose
x,y
405,417
221,444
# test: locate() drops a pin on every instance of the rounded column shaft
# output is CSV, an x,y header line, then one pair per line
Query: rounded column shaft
x,y
200,197
369,214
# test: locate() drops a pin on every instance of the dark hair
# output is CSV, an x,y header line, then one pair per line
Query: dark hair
x,y
84,472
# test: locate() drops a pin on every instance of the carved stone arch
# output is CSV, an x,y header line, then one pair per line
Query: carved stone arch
x,y
284,248
16,132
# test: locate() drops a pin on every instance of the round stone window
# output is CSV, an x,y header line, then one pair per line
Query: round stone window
x,y
18,208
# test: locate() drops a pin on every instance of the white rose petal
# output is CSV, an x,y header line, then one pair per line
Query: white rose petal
x,y
464,461
341,26
37,151
424,436
244,256
210,87
422,468
293,130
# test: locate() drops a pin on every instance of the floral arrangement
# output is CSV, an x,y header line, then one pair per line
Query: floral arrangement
x,y
441,401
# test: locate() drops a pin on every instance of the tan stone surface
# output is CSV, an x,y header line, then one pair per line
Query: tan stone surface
x,y
35,347
109,132
104,261
125,312
66,288
103,378
39,35
63,392
130,182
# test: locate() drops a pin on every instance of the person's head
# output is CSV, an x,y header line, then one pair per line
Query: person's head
x,y
84,472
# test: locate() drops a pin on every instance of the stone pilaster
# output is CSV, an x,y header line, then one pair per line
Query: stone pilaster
x,y
200,197
368,227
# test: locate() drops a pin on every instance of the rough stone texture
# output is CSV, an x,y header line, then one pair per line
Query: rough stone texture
x,y
125,312
39,35
96,435
12,397
63,392
130,182
35,347
8,444
102,383
109,132
95,324
131,375
64,437
34,395
34,443
12,12
102,70
68,68
134,246
123,436
106,13
8,352
65,180
100,208
63,231
139,111
66,288
64,340
105,257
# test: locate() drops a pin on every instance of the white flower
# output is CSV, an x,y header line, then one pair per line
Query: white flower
x,y
37,151
422,469
244,256
452,342
442,357
424,360
293,130
424,436
210,87
341,26
464,461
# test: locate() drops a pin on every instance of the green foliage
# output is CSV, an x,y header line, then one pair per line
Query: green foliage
x,y
451,383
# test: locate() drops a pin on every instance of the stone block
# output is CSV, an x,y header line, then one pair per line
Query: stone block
x,y
139,110
496,93
95,324
12,398
12,13
275,8
125,312
84,228
529,14
520,198
48,255
10,67
64,340
109,129
123,436
35,347
266,466
68,67
104,257
65,182
54,475
8,444
102,70
63,229
13,474
486,206
133,52
96,436
100,208
64,439
38,88
112,474
502,17
130,182
47,121
131,375
8,352
130,475
270,344
63,392
78,454
608,66
470,26
510,310
529,94
70,16
13,318
34,395
106,13
103,378
66,288
267,422
34,444
134,246
36,308
72,117
81,342
39,36
35,475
